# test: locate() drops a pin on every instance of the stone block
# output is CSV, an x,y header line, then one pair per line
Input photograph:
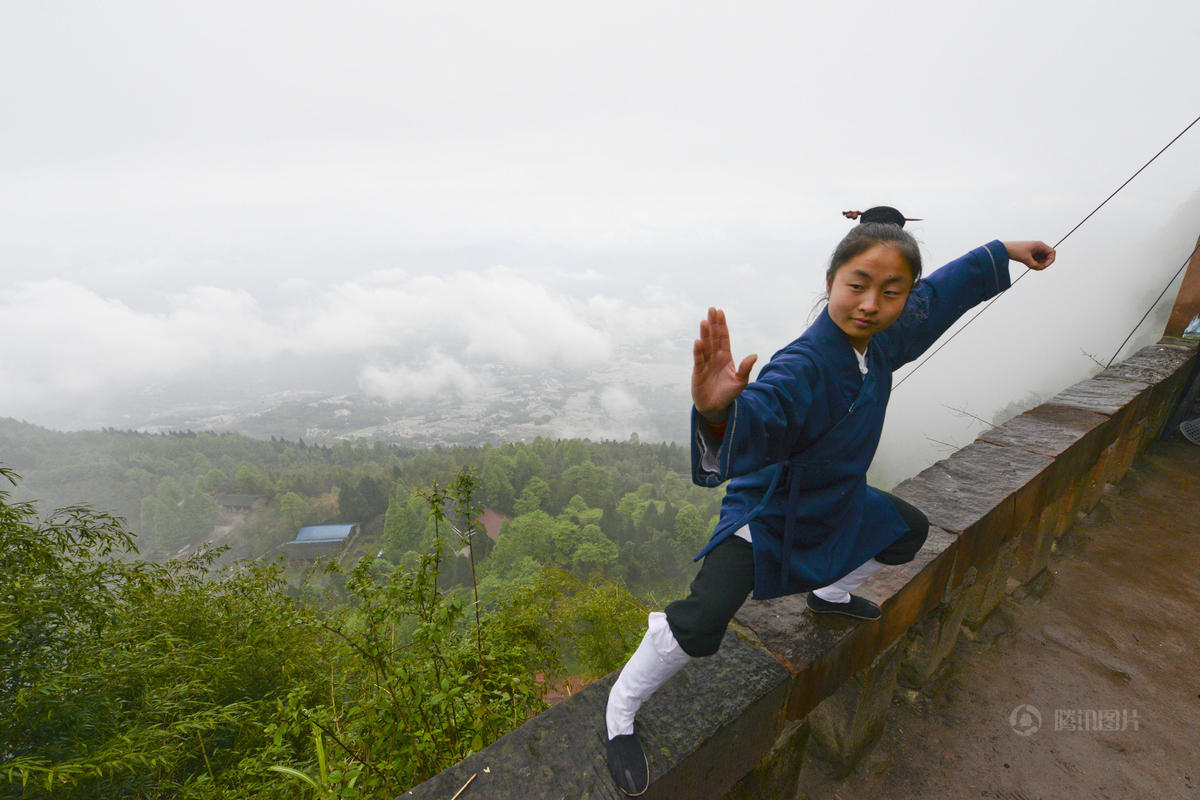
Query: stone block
x,y
1162,405
963,508
778,774
1091,485
1033,590
1126,450
850,720
984,493
1123,401
1109,396
1035,544
1072,437
1153,364
959,492
1047,521
991,585
820,652
1070,509
703,731
1166,369
930,641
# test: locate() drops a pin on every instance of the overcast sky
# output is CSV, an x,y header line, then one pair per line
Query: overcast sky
x,y
390,194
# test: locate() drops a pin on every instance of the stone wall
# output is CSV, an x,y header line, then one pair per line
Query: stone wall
x,y
787,688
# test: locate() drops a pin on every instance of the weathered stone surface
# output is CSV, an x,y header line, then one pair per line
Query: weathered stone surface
x,y
559,752
985,493
1022,473
822,652
1091,486
1046,430
785,628
931,640
1074,438
1166,369
1035,544
851,719
1108,396
991,585
1125,450
1033,590
703,731
1065,509
950,502
1152,364
1163,401
778,773
979,479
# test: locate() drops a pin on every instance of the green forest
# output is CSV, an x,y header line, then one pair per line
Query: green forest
x,y
160,644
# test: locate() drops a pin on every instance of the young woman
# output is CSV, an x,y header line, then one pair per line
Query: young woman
x,y
798,515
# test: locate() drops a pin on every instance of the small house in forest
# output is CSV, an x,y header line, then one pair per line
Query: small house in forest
x,y
315,541
237,503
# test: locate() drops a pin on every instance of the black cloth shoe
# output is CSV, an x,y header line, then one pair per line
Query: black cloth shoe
x,y
858,607
627,763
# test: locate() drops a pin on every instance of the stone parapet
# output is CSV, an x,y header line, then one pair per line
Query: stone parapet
x,y
785,684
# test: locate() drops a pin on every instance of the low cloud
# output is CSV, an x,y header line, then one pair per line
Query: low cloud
x,y
401,336
619,404
63,341
439,374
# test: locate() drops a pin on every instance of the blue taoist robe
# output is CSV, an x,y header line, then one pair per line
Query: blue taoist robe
x,y
799,439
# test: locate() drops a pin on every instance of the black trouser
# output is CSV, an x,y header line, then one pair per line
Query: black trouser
x,y
727,575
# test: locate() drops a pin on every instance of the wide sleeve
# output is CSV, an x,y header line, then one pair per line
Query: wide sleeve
x,y
763,426
937,301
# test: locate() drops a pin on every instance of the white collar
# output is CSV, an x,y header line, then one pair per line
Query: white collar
x,y
862,360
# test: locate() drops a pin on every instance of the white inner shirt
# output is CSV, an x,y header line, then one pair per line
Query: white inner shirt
x,y
862,360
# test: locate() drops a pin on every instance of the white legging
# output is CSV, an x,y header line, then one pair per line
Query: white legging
x,y
840,590
659,656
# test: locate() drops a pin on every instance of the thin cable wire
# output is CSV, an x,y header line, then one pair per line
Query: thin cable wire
x,y
1131,177
1186,261
988,305
956,333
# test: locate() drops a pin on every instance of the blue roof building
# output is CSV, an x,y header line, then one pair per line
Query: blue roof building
x,y
321,540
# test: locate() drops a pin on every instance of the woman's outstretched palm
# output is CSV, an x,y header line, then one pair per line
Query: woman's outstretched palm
x,y
715,381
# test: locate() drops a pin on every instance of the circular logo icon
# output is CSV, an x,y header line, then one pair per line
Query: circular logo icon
x,y
1025,720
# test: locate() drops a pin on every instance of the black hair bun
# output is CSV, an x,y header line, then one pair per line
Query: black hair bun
x,y
885,215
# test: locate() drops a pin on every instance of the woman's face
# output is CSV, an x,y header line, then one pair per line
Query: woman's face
x,y
868,292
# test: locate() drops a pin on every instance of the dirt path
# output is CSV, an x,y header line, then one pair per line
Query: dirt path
x,y
1090,691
